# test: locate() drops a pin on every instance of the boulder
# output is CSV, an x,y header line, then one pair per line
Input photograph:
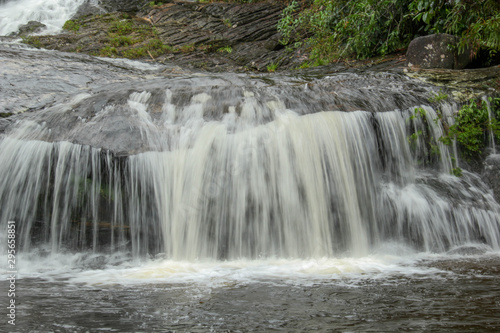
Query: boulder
x,y
32,27
437,51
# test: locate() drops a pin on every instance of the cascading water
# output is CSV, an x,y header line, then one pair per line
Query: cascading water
x,y
52,13
195,202
491,134
239,172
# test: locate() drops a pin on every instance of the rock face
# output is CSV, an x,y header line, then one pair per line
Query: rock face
x,y
33,80
208,36
128,6
490,174
89,7
437,51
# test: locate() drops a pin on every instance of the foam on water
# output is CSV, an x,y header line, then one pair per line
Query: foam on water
x,y
119,269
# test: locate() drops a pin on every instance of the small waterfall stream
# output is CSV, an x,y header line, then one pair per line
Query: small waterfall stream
x,y
52,13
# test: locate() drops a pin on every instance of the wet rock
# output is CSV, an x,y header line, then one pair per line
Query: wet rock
x,y
462,84
89,7
470,250
210,36
128,6
490,174
4,123
32,79
437,51
32,27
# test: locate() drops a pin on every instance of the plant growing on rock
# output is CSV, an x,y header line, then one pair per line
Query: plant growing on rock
x,y
72,25
227,49
272,67
472,124
131,39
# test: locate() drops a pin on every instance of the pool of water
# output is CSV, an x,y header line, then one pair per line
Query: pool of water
x,y
379,293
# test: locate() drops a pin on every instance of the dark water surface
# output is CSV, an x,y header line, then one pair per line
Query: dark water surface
x,y
455,295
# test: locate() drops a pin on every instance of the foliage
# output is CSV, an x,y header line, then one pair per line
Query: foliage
x,y
457,172
336,29
341,28
471,130
439,97
272,67
472,124
476,22
227,49
424,145
154,4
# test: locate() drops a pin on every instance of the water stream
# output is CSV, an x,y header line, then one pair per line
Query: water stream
x,y
52,13
200,202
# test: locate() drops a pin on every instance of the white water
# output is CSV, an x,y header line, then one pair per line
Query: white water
x,y
491,134
52,13
323,185
386,263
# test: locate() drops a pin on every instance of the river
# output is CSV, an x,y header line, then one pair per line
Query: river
x,y
146,197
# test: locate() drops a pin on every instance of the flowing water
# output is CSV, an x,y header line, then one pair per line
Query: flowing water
x,y
52,13
197,202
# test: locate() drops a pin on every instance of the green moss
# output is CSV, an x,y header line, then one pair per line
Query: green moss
x,y
32,40
72,25
108,51
121,41
122,27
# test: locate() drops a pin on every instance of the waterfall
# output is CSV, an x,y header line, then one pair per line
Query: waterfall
x,y
252,179
491,134
52,13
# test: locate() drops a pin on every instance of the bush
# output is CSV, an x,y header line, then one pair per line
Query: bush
x,y
476,22
343,29
334,29
472,124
